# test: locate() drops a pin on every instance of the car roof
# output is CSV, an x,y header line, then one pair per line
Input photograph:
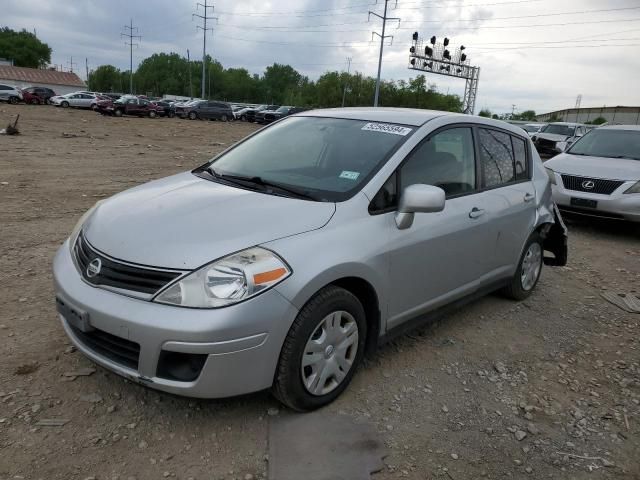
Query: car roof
x,y
405,116
620,127
571,124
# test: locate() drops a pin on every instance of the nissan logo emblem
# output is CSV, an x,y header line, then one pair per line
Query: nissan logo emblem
x,y
588,184
94,267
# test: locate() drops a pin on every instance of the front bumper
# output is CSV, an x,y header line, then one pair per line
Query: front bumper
x,y
241,343
618,205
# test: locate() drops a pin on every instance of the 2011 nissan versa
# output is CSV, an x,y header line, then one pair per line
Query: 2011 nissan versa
x,y
284,260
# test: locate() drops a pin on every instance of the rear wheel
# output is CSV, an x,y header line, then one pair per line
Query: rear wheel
x,y
224,118
322,350
152,114
13,100
117,112
35,101
243,118
193,115
528,273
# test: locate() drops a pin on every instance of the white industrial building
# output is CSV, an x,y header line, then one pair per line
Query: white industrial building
x,y
60,82
613,115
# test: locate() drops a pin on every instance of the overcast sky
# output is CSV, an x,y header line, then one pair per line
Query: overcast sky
x,y
534,54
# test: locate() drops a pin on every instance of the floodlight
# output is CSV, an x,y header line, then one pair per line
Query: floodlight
x,y
447,55
412,49
463,57
415,36
428,51
433,40
462,47
413,62
446,42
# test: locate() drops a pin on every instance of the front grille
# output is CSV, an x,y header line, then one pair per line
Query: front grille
x,y
597,185
543,142
119,275
121,351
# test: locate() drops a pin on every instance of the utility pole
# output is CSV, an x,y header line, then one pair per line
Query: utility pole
x,y
129,29
384,19
71,64
190,84
204,29
344,92
513,110
86,66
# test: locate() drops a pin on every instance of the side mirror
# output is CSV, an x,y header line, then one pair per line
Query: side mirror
x,y
418,198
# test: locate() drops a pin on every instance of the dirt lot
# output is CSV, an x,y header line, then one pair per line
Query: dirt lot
x,y
548,388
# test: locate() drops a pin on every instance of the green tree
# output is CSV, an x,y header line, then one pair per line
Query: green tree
x,y
105,78
597,121
24,48
278,81
485,112
527,116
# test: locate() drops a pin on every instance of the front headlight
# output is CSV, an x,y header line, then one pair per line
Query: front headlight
x,y
229,280
552,175
635,188
76,230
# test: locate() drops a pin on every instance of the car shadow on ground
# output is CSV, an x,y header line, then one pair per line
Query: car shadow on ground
x,y
612,229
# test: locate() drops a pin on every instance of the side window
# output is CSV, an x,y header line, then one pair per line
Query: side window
x,y
520,155
4,87
496,157
387,196
445,160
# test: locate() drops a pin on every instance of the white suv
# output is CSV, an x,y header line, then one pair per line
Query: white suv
x,y
10,93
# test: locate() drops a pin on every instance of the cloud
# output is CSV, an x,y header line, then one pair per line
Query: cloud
x,y
315,36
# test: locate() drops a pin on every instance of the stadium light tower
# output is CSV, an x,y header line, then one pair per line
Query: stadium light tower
x,y
439,58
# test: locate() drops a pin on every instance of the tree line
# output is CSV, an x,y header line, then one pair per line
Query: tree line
x,y
170,73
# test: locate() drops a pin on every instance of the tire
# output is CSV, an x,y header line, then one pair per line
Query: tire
x,y
193,115
171,114
117,113
152,114
35,101
94,107
311,331
531,260
13,100
64,104
223,118
243,118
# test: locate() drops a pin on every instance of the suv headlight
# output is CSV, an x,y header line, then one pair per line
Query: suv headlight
x,y
228,280
552,175
635,188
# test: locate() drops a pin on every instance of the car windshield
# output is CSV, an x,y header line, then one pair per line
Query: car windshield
x,y
531,128
609,143
565,130
325,158
283,109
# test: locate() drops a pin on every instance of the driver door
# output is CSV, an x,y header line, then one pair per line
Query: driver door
x,y
442,256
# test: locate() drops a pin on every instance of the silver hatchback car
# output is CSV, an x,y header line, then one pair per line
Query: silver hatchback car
x,y
286,258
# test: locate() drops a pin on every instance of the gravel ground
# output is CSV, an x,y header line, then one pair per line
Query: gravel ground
x,y
546,388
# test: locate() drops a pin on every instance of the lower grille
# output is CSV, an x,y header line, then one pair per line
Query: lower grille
x,y
121,351
590,185
110,273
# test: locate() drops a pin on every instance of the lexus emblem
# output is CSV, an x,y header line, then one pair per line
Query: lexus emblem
x,y
94,267
588,184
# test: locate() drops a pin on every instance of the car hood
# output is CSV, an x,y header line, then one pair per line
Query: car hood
x,y
551,136
596,167
184,221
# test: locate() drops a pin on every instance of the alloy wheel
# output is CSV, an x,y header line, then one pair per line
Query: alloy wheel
x,y
531,266
329,353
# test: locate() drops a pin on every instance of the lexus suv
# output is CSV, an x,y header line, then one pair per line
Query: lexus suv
x,y
599,175
284,260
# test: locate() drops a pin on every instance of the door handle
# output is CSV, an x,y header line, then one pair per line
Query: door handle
x,y
528,197
476,212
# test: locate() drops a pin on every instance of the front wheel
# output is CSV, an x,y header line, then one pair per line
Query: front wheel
x,y
528,273
13,100
224,118
192,115
321,351
117,113
152,114
64,104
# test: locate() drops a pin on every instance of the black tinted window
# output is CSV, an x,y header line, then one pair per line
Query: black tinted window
x,y
387,197
445,160
496,157
4,87
520,155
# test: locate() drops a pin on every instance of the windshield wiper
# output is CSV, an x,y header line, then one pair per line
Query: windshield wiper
x,y
626,156
240,179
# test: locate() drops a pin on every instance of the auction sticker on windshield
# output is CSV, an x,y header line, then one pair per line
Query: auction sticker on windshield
x,y
387,128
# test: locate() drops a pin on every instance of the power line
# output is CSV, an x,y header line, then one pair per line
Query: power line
x,y
382,36
204,29
130,29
